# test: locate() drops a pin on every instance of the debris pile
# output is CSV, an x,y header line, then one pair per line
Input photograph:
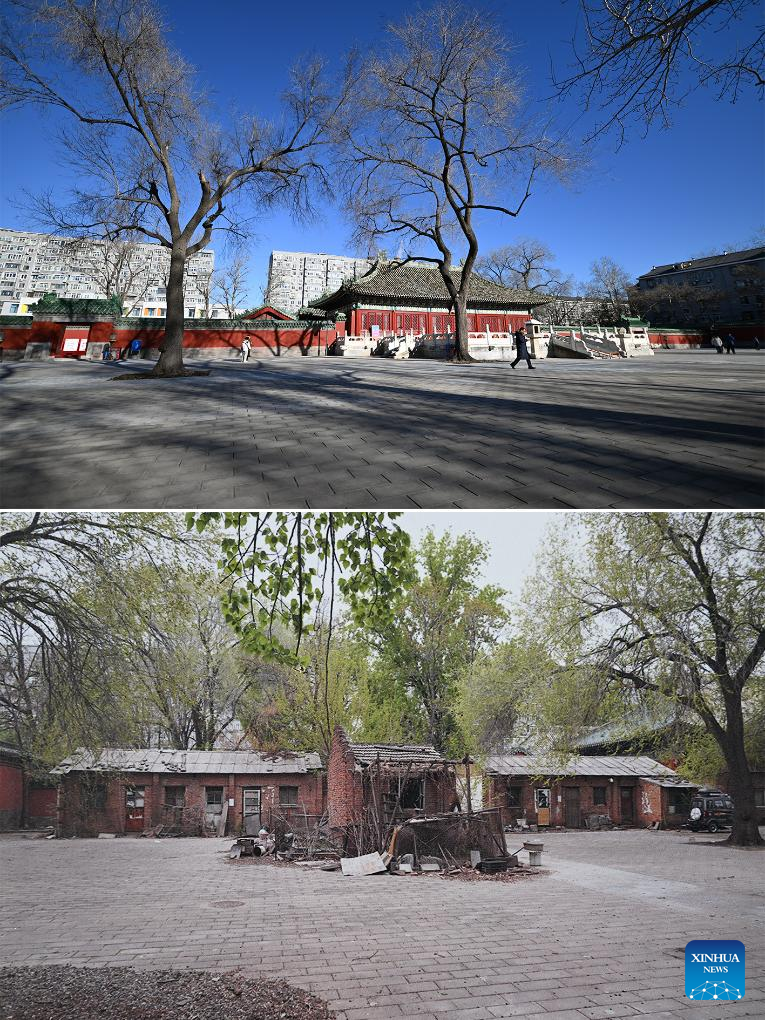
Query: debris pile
x,y
597,822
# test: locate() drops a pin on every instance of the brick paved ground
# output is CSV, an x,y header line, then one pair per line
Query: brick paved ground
x,y
601,936
676,430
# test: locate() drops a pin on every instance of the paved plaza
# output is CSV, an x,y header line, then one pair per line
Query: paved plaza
x,y
677,430
600,934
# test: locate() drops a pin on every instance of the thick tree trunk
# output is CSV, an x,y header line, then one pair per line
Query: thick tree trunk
x,y
745,831
171,357
461,349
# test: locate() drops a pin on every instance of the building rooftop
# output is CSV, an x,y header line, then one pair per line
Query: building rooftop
x,y
195,762
417,280
577,765
723,259
397,754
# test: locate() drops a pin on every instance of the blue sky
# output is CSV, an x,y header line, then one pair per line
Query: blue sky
x,y
691,189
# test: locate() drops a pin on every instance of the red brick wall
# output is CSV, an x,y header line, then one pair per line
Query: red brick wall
x,y
495,795
649,806
11,795
41,805
76,819
344,792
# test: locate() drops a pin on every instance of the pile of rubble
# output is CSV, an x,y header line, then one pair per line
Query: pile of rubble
x,y
450,844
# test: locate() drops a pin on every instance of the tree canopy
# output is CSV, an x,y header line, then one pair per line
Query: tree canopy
x,y
657,609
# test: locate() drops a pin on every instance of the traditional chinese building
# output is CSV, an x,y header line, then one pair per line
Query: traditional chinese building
x,y
402,297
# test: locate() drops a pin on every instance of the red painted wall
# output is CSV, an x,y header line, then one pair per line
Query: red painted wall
x,y
391,320
274,338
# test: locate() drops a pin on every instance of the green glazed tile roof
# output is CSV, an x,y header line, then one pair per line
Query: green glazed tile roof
x,y
418,281
76,308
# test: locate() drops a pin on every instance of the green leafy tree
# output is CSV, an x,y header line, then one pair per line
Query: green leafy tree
x,y
281,567
173,653
493,705
439,627
664,609
298,706
56,686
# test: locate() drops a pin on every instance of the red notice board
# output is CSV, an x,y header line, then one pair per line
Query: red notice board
x,y
74,342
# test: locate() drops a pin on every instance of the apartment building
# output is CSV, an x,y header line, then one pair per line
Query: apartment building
x,y
726,288
33,264
297,278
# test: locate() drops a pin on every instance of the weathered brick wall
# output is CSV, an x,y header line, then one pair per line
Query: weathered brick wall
x,y
41,805
11,795
440,792
496,787
344,791
80,819
648,803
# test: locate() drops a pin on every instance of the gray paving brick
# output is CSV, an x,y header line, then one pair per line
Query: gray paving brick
x,y
666,431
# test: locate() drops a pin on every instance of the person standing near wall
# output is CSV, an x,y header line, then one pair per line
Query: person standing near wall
x,y
717,343
246,347
730,344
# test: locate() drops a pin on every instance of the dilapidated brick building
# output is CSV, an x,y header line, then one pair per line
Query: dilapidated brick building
x,y
630,789
26,800
124,791
406,778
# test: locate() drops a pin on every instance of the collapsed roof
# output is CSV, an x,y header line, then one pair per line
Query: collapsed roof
x,y
397,754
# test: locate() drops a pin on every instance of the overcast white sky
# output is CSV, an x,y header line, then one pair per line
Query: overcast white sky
x,y
513,537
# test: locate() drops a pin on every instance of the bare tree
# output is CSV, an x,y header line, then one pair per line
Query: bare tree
x,y
677,304
638,59
527,264
116,266
150,163
204,285
439,137
230,284
608,285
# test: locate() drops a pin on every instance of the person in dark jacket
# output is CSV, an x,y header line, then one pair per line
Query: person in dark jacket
x,y
521,343
730,344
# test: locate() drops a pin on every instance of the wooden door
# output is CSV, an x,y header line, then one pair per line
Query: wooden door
x,y
134,805
627,803
573,818
251,810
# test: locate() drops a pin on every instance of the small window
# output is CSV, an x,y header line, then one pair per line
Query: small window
x,y
175,796
214,797
514,796
413,794
598,795
96,797
759,796
288,796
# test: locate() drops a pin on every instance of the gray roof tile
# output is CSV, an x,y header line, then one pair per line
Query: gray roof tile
x,y
397,754
189,762
576,765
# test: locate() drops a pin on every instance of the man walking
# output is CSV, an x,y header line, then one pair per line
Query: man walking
x,y
717,343
730,344
246,346
521,341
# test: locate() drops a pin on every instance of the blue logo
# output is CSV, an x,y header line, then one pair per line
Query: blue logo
x,y
715,969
